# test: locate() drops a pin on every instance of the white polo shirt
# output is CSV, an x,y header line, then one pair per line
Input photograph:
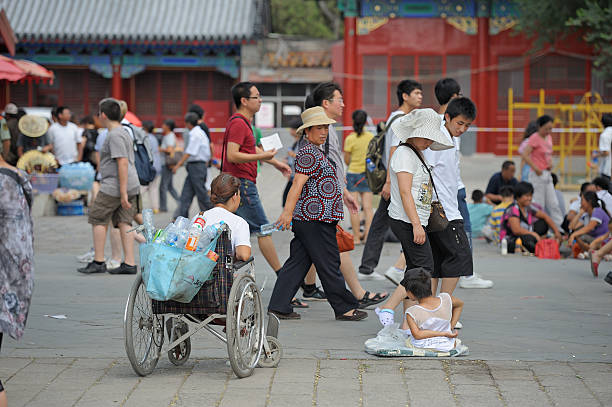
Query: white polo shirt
x,y
64,140
198,147
445,177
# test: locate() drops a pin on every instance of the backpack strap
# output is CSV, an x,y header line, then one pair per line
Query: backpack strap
x,y
20,182
225,136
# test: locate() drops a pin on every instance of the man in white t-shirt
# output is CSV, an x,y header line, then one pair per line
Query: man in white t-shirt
x,y
64,138
410,97
605,144
197,155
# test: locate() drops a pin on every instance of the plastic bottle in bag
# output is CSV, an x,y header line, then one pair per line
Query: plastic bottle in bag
x,y
182,231
208,234
195,232
171,235
147,222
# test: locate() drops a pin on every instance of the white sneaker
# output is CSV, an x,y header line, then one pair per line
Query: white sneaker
x,y
86,257
112,264
372,276
474,282
394,275
458,325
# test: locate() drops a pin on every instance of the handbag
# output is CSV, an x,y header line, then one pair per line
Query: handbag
x,y
345,240
437,217
172,160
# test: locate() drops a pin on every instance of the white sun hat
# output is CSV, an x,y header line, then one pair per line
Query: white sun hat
x,y
424,123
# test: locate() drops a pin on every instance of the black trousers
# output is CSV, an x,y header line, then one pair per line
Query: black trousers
x,y
451,251
417,255
529,242
376,238
313,243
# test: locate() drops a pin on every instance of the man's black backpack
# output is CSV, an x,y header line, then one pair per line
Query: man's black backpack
x,y
378,175
143,155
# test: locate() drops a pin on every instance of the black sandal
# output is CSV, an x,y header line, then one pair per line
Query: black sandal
x,y
366,301
295,303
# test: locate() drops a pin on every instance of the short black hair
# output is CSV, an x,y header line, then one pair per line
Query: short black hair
x,y
461,106
148,126
241,90
295,123
445,89
522,188
197,109
359,120
309,102
418,282
324,91
110,107
191,118
602,183
555,178
506,191
406,86
606,119
477,195
60,110
584,186
542,120
170,123
87,120
506,164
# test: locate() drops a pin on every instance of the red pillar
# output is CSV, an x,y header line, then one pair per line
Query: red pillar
x,y
484,142
116,87
350,68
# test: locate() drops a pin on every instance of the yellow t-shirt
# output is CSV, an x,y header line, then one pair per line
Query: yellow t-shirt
x,y
358,147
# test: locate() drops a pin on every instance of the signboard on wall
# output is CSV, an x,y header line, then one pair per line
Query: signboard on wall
x,y
264,119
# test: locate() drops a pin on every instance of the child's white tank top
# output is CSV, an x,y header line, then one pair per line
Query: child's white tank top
x,y
437,319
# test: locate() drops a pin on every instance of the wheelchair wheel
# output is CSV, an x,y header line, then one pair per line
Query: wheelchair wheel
x,y
180,353
276,353
244,325
143,330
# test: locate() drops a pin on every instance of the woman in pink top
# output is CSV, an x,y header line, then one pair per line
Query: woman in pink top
x,y
538,155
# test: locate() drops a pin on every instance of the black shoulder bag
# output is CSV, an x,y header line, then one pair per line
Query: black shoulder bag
x,y
437,218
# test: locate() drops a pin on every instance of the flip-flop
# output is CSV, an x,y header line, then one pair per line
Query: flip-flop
x,y
594,266
366,301
295,303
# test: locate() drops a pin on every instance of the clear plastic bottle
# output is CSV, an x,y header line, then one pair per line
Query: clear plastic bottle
x,y
171,235
182,230
370,166
195,233
147,222
208,234
504,246
268,228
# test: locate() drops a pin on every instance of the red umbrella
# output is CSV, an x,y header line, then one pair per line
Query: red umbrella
x,y
9,71
28,69
131,117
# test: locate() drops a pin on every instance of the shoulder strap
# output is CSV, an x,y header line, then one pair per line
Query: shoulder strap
x,y
424,164
14,176
388,125
224,148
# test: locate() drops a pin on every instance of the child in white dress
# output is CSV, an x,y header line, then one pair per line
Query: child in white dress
x,y
431,319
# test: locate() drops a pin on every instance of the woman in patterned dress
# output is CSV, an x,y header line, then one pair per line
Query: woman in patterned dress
x,y
313,208
16,254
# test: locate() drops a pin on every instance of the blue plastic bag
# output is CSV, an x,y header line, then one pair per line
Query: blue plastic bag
x,y
79,176
172,273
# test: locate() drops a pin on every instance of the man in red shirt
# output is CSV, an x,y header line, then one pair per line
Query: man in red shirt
x,y
240,160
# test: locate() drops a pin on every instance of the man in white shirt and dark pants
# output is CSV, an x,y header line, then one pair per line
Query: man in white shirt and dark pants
x,y
65,139
197,155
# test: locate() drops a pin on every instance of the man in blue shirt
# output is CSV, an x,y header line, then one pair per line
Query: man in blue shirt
x,y
500,179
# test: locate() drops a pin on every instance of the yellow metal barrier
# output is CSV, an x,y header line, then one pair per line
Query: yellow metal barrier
x,y
576,121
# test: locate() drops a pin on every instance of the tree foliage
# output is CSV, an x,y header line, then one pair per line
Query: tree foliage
x,y
308,18
550,21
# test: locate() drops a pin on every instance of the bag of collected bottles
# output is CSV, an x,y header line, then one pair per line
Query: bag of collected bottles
x,y
172,272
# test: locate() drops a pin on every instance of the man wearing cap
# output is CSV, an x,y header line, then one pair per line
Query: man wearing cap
x,y
32,135
65,139
11,113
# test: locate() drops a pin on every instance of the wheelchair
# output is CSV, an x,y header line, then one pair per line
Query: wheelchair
x,y
230,298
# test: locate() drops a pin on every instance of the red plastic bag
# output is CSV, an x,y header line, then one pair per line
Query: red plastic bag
x,y
547,249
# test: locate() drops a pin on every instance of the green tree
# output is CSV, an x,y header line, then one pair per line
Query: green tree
x,y
551,21
308,18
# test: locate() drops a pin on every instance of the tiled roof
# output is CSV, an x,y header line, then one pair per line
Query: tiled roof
x,y
131,20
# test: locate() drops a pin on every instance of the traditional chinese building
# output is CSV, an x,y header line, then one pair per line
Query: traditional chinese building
x,y
158,55
471,41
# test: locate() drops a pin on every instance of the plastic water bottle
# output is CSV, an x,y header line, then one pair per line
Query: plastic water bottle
x,y
504,246
147,222
268,228
182,230
195,232
171,235
370,166
208,234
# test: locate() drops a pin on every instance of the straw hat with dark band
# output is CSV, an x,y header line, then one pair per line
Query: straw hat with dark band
x,y
315,116
32,125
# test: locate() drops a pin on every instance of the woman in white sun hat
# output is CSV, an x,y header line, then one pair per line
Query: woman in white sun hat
x,y
411,191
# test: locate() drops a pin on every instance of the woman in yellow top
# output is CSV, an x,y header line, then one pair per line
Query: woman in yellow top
x,y
355,148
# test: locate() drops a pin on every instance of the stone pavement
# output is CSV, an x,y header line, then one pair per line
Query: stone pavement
x,y
540,337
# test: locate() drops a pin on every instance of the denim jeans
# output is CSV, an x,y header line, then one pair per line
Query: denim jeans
x,y
250,208
465,214
166,187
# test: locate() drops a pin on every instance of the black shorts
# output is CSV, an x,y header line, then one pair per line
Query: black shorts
x,y
451,252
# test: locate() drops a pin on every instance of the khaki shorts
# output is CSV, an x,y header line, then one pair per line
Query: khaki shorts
x,y
107,208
